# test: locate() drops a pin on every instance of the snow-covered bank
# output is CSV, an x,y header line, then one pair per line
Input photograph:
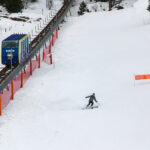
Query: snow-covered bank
x,y
98,52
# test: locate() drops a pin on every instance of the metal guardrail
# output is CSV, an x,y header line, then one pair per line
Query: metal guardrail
x,y
40,40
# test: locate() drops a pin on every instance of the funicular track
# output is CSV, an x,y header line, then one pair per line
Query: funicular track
x,y
8,73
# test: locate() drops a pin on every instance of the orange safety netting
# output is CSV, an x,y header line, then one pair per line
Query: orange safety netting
x,y
18,81
26,74
47,56
6,96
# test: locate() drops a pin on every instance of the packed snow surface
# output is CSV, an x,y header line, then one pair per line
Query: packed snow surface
x,y
98,52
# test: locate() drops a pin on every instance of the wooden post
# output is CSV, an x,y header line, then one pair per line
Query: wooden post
x,y
30,67
21,79
39,66
0,105
12,90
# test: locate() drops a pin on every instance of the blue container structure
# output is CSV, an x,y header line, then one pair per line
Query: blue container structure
x,y
14,49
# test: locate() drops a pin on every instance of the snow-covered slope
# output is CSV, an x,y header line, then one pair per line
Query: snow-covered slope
x,y
98,52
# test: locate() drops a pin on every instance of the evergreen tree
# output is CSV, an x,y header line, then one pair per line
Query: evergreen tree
x,y
148,6
83,8
33,1
14,6
2,2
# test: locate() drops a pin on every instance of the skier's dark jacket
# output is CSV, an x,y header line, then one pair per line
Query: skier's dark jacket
x,y
92,98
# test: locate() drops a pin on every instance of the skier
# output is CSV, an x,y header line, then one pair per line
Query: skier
x,y
92,98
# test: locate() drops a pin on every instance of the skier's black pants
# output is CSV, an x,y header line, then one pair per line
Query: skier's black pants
x,y
90,103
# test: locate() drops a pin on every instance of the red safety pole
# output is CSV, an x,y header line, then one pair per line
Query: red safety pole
x,y
39,66
43,55
57,33
12,89
52,39
50,47
51,61
21,79
30,67
0,105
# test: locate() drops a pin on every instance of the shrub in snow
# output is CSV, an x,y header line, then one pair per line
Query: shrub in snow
x,y
83,8
119,7
101,0
33,0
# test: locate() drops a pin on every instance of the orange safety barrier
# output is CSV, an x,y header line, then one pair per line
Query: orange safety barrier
x,y
6,96
57,33
26,73
39,60
142,77
19,81
51,60
43,55
12,90
50,47
53,39
47,55
34,64
31,67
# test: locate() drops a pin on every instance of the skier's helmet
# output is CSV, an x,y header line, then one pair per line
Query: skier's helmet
x,y
93,93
